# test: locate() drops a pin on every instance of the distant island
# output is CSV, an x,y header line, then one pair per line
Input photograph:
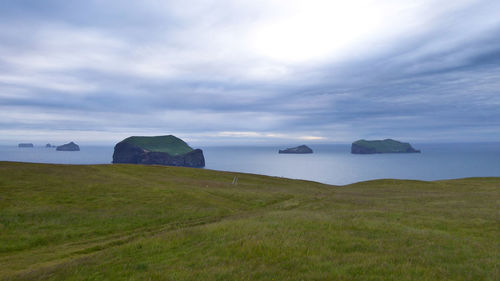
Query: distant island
x,y
25,145
159,150
68,147
381,146
49,145
302,149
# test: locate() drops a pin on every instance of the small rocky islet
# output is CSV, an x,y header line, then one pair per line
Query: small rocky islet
x,y
25,145
68,147
381,146
158,150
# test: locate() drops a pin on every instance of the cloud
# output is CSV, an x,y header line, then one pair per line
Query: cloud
x,y
317,70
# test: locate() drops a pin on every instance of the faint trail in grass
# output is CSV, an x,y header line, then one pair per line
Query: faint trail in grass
x,y
74,252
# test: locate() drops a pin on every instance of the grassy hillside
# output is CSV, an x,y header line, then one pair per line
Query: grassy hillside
x,y
132,222
170,144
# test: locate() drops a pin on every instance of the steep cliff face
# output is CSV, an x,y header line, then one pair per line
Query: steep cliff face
x,y
161,150
381,146
302,149
191,159
127,153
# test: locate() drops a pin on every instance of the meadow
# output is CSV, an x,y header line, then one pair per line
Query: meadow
x,y
134,222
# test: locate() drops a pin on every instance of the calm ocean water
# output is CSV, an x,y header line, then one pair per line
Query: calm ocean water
x,y
333,164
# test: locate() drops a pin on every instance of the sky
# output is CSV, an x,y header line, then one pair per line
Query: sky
x,y
249,72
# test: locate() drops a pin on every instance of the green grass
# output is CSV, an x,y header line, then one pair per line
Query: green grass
x,y
133,222
385,146
170,144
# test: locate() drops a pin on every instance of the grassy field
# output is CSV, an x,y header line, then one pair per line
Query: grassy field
x,y
132,222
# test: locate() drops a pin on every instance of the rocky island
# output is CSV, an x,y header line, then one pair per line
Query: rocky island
x,y
302,149
160,150
381,146
49,145
68,147
25,145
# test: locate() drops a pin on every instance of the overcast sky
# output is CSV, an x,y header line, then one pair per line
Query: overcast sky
x,y
256,72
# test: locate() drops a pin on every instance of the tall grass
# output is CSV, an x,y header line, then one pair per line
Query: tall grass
x,y
132,222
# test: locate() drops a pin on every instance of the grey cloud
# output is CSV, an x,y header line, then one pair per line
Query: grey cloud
x,y
135,67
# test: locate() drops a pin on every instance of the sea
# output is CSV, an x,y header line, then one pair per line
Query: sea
x,y
330,164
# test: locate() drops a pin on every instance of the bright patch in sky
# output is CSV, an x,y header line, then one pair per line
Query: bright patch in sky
x,y
316,29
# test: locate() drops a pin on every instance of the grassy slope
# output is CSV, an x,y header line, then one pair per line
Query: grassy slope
x,y
384,146
170,144
126,222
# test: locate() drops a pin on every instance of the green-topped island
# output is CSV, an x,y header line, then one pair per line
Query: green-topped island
x,y
159,150
381,146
